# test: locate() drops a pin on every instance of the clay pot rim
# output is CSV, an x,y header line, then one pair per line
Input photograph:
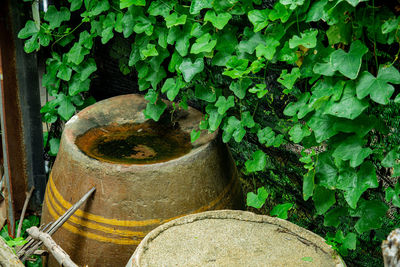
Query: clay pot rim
x,y
239,215
69,136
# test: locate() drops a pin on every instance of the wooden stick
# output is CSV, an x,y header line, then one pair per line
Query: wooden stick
x,y
21,219
59,254
391,249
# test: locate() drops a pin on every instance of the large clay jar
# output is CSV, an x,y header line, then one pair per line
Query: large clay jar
x,y
233,238
145,174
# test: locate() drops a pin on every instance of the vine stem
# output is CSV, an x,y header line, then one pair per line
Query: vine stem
x,y
59,39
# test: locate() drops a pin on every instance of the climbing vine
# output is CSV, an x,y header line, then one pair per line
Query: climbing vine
x,y
337,62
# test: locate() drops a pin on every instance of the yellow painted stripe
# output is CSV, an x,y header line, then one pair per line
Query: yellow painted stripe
x,y
90,224
128,223
73,229
98,218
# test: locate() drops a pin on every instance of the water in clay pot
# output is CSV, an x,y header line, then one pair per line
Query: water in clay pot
x,y
139,143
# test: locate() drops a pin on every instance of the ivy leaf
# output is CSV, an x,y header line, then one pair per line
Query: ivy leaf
x,y
323,199
309,259
257,201
203,44
236,67
66,109
77,54
223,104
378,88
322,126
206,93
127,3
127,23
233,127
332,217
76,85
326,171
308,185
390,25
252,40
289,79
390,160
293,107
371,213
293,3
160,8
29,30
172,87
75,4
156,77
197,5
55,17
281,210
349,106
240,87
317,12
154,111
150,51
173,19
259,89
54,146
280,12
64,72
258,162
397,99
218,21
95,8
354,3
86,40
297,133
339,33
189,69
307,39
393,195
266,136
349,64
354,184
151,96
352,149
87,68
194,135
259,18
215,118
268,51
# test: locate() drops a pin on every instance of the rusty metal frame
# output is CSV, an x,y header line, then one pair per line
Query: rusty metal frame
x,y
20,114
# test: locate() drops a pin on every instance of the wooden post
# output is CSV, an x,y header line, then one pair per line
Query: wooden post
x,y
391,249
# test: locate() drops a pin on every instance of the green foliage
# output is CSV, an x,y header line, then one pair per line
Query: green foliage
x,y
257,200
335,65
32,220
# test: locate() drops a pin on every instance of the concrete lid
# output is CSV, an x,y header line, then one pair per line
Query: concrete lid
x,y
233,238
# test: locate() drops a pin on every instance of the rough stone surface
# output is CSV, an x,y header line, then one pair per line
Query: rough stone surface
x,y
232,238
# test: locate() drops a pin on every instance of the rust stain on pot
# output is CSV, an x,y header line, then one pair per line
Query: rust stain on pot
x,y
140,143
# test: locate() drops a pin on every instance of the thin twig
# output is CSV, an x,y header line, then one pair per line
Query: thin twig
x,y
28,197
24,254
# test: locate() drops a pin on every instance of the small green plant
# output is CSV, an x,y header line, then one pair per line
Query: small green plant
x,y
28,222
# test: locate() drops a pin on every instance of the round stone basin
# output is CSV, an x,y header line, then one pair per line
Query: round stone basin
x,y
228,238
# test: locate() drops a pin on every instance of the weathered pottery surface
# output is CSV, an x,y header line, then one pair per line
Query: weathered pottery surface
x,y
133,197
233,238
